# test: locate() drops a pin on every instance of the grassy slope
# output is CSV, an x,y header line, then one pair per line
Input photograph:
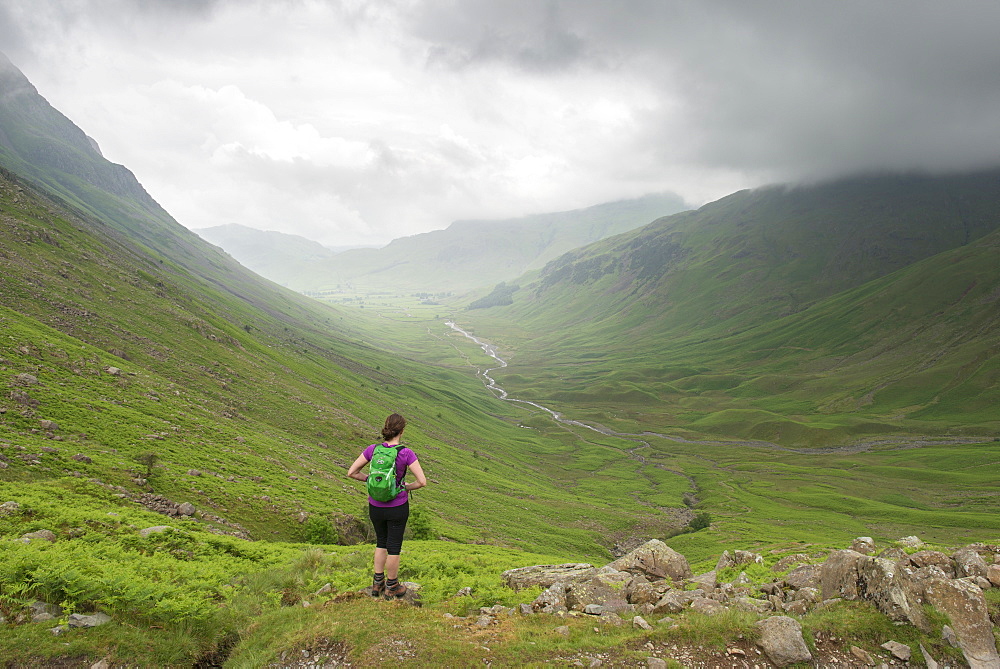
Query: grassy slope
x,y
212,383
706,322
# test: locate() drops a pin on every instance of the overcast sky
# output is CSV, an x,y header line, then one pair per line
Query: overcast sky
x,y
354,122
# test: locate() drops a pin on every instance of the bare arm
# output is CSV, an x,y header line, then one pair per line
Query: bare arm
x,y
418,473
354,471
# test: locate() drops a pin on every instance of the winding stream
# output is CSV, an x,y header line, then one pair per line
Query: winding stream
x,y
860,447
491,385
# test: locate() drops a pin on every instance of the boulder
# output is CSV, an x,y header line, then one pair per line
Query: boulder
x,y
863,656
186,509
602,589
900,651
654,558
611,618
790,561
806,576
9,508
94,620
553,600
782,642
156,529
839,575
911,542
80,457
798,608
809,595
45,535
965,605
896,589
893,553
640,623
43,612
969,563
640,591
706,581
753,605
933,558
674,601
863,545
707,606
993,574
545,575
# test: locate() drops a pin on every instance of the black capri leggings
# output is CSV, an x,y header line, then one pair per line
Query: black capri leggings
x,y
389,523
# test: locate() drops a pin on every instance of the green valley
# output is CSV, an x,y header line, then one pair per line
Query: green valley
x,y
779,372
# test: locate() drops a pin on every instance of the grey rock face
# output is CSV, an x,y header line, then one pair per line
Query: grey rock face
x,y
94,620
781,639
44,535
806,576
602,589
969,563
546,575
553,600
654,558
863,545
839,575
965,605
932,558
156,529
899,651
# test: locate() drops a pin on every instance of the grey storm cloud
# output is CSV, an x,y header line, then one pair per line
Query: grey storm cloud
x,y
799,88
390,117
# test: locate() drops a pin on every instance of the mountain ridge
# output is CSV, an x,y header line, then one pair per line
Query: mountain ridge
x,y
476,253
688,304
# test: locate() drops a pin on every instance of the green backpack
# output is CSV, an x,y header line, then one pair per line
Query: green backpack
x,y
382,485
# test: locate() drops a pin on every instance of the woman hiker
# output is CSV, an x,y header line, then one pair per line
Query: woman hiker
x,y
389,517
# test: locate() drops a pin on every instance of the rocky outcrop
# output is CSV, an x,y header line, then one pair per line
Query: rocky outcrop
x,y
648,582
654,559
839,575
545,575
606,590
965,606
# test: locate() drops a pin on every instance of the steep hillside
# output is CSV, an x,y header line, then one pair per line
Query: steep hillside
x,y
221,370
693,314
471,254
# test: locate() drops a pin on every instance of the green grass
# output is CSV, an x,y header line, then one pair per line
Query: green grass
x,y
270,396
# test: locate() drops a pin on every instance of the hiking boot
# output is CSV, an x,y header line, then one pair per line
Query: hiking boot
x,y
395,591
378,587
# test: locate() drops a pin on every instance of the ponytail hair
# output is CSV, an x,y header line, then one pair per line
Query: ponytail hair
x,y
394,425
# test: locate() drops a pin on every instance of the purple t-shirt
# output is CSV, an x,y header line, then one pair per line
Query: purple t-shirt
x,y
404,459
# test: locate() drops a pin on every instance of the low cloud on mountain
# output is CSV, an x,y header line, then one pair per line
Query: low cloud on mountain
x,y
353,122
